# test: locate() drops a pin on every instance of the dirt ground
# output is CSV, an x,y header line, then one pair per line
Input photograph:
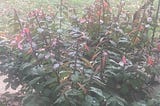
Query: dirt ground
x,y
9,97
2,86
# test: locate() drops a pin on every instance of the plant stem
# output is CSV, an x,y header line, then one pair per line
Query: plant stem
x,y
154,29
60,14
60,27
37,21
76,57
99,18
103,11
101,64
43,33
16,15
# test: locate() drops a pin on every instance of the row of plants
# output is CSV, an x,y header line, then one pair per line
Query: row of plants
x,y
94,58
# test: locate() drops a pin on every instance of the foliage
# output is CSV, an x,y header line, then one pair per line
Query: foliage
x,y
98,59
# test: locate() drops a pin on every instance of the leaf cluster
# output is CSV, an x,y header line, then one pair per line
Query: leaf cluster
x,y
98,59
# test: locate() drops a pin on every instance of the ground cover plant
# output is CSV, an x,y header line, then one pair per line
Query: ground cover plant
x,y
97,57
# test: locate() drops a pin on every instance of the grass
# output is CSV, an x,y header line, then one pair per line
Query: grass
x,y
23,6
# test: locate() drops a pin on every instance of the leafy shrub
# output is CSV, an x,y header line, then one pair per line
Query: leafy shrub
x,y
99,59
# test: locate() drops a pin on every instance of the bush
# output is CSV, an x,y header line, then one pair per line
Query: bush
x,y
99,59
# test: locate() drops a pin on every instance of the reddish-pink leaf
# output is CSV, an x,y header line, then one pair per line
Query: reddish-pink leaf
x,y
124,60
82,20
18,41
86,47
26,30
29,51
150,61
99,13
27,33
105,4
82,87
18,38
141,28
155,50
13,43
110,9
98,68
104,58
95,56
20,46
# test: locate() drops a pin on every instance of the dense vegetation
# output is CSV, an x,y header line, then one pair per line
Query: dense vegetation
x,y
66,57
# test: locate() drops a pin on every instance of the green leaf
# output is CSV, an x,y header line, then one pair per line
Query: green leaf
x,y
38,87
73,92
116,101
40,30
110,72
60,99
7,86
140,103
35,80
15,85
123,40
6,80
50,81
98,81
113,62
37,71
113,43
75,77
25,66
124,89
90,101
97,91
47,92
64,73
113,53
35,100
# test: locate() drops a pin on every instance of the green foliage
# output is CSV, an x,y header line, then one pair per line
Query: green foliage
x,y
98,59
34,100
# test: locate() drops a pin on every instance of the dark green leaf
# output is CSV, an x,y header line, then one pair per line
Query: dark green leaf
x,y
34,81
97,91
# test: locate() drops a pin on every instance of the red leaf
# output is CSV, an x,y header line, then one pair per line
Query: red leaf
x,y
82,87
150,61
26,30
103,61
124,60
20,46
95,56
105,4
86,47
18,38
141,28
98,69
110,9
29,51
82,20
18,41
155,50
27,33
99,13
